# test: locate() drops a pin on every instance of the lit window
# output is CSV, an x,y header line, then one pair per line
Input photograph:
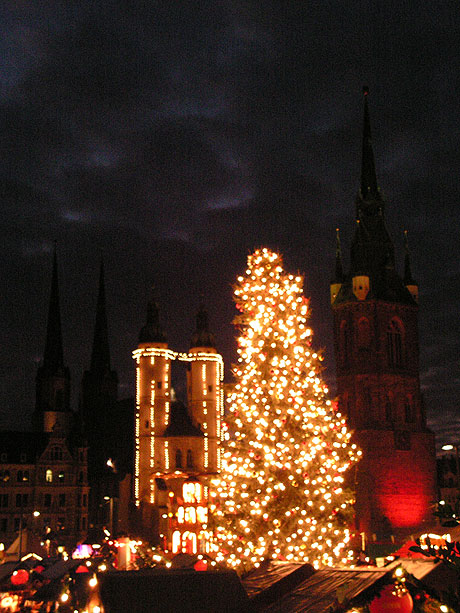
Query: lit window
x,y
202,515
176,541
49,475
190,515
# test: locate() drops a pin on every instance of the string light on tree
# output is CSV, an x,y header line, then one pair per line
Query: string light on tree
x,y
281,491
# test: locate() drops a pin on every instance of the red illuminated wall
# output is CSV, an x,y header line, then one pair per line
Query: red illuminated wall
x,y
395,480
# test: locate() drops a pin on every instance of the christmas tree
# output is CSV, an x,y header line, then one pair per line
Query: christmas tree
x,y
281,491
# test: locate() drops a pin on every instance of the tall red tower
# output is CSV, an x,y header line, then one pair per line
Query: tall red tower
x,y
377,363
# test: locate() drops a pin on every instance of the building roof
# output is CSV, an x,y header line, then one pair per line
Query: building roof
x,y
22,447
161,591
372,249
202,337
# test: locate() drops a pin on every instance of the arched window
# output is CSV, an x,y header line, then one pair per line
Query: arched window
x,y
19,475
176,541
364,333
345,349
189,458
394,344
408,410
49,475
389,410
178,458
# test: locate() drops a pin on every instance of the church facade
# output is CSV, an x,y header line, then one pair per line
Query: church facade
x,y
375,314
177,449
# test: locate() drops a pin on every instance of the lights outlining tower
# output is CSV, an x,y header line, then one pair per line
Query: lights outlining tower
x,y
173,443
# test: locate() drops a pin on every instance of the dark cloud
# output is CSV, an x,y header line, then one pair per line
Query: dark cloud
x,y
176,137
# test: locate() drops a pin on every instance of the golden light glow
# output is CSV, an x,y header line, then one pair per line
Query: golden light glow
x,y
281,490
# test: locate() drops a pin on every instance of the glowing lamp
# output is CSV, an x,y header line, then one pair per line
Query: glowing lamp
x,y
390,602
19,577
201,565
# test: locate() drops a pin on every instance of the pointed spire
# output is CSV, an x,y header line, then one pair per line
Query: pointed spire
x,y
338,259
202,337
152,332
53,358
369,188
100,355
408,279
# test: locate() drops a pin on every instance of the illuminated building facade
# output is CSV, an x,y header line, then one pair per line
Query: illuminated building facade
x,y
176,446
377,363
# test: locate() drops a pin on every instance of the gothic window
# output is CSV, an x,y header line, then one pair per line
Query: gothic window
x,y
49,475
178,458
389,409
19,475
61,477
345,349
408,410
3,501
364,333
394,344
47,500
62,500
25,475
5,475
3,524
189,458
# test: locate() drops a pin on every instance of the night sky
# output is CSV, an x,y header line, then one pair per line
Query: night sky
x,y
175,137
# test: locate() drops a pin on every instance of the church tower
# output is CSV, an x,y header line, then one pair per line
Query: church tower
x,y
53,378
377,363
204,390
177,447
153,399
98,400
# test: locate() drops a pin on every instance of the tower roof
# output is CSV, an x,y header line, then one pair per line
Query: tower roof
x,y
100,355
372,250
338,274
408,279
202,337
369,187
151,332
53,357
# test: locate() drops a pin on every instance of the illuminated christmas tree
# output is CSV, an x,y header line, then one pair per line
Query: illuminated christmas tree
x,y
281,490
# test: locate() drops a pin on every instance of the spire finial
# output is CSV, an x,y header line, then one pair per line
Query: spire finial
x,y
338,258
369,187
